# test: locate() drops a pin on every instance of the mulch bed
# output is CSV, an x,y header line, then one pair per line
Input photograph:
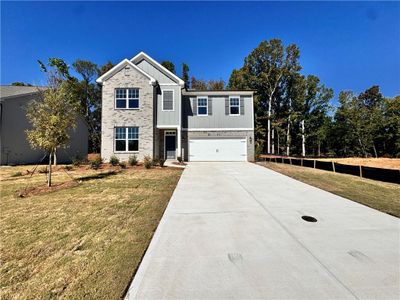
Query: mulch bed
x,y
43,189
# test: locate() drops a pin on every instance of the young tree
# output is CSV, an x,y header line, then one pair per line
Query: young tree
x,y
185,75
169,65
52,116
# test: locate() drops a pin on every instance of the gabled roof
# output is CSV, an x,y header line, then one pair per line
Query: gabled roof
x,y
119,67
13,91
163,69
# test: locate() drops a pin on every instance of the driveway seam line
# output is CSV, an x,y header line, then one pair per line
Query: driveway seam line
x,y
294,237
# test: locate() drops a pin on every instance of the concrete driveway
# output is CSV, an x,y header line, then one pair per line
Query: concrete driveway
x,y
234,231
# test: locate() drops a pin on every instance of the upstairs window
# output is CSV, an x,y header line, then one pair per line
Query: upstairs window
x,y
126,139
234,106
202,106
127,98
168,100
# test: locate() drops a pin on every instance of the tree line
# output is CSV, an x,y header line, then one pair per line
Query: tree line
x,y
294,114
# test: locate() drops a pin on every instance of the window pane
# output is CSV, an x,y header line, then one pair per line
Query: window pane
x,y
234,110
168,100
120,93
234,101
133,93
133,133
121,103
202,110
120,145
133,145
120,132
202,102
134,103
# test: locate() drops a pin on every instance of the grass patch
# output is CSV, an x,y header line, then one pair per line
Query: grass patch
x,y
81,242
376,194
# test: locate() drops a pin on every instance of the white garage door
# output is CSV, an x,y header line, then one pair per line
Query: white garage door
x,y
217,150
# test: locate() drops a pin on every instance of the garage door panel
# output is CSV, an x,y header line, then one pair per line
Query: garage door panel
x,y
217,150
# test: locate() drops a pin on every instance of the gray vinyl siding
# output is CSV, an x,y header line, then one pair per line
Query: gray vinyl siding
x,y
15,148
169,117
219,117
154,72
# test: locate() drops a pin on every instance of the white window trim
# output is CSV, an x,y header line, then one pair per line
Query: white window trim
x,y
126,99
234,97
126,139
173,100
197,99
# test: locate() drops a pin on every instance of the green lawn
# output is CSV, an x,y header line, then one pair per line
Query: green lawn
x,y
376,194
80,242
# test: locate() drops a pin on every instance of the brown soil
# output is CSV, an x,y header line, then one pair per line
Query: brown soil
x,y
43,189
381,162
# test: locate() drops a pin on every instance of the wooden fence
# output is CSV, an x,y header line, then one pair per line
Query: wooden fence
x,y
387,175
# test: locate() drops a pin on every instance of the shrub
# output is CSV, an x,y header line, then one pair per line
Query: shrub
x,y
161,162
16,174
114,160
155,161
43,170
77,161
133,161
122,164
95,164
179,158
68,167
148,162
95,161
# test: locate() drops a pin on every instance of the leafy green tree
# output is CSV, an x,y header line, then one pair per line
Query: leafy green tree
x,y
185,75
89,95
264,70
52,116
105,68
169,65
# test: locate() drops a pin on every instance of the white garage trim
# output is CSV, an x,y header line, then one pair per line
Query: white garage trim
x,y
217,149
217,129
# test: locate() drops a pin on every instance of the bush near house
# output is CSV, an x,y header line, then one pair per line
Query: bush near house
x,y
114,160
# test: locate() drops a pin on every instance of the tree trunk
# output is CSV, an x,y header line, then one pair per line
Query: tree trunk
x,y
362,147
288,138
55,157
273,141
49,171
376,154
269,126
303,140
319,149
277,135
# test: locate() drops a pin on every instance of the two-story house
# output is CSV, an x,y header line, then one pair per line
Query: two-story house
x,y
146,110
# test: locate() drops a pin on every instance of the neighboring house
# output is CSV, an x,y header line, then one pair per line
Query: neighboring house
x,y
147,111
15,148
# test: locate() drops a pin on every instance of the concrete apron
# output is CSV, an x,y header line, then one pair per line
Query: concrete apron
x,y
234,231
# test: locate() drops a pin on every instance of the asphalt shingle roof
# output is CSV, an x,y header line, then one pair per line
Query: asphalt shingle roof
x,y
10,91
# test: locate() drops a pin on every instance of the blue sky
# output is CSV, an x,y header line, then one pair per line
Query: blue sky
x,y
348,45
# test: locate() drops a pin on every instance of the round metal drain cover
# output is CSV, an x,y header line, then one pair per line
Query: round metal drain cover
x,y
309,219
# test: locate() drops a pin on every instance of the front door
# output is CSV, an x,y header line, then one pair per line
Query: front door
x,y
170,144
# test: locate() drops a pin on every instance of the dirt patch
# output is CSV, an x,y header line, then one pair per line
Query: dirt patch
x,y
43,189
385,163
381,162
